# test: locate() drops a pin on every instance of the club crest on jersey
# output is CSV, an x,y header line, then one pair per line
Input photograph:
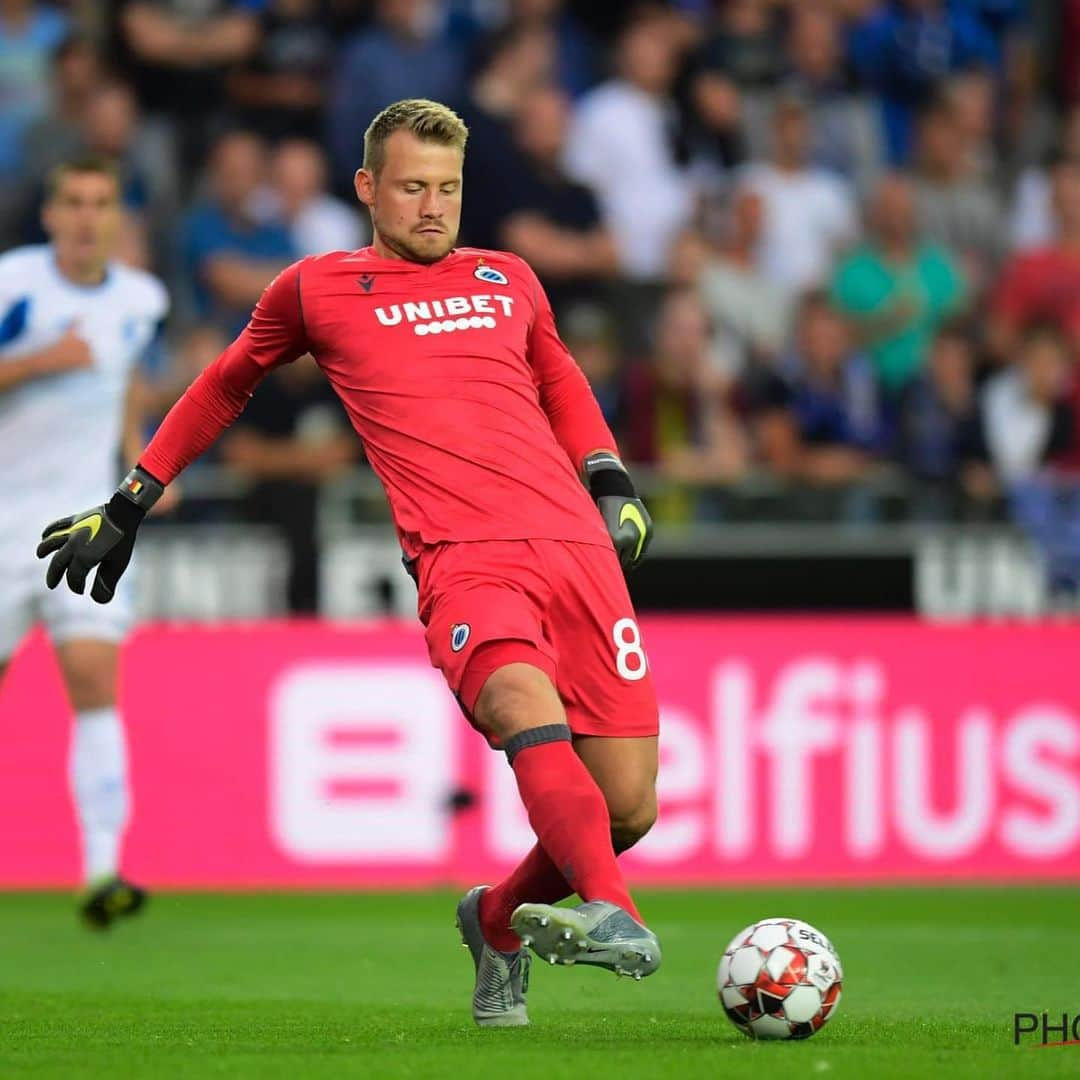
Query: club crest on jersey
x,y
459,634
491,275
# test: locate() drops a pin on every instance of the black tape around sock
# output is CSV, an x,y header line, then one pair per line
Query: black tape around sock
x,y
537,736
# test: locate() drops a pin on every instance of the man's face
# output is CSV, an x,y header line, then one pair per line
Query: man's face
x,y
78,71
401,16
1066,197
791,134
238,168
951,367
825,341
941,143
893,211
1045,363
748,216
541,124
298,170
648,58
83,218
813,38
415,201
682,339
111,120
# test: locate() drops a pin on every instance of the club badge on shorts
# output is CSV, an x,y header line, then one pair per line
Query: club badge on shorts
x,y
459,634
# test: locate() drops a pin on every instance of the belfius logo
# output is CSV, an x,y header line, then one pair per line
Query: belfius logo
x,y
1042,1029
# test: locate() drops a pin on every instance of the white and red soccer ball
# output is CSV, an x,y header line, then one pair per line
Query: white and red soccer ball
x,y
780,979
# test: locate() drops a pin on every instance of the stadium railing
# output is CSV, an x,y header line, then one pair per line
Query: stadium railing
x,y
211,565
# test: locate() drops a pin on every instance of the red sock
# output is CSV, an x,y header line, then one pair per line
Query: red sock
x,y
534,880
570,818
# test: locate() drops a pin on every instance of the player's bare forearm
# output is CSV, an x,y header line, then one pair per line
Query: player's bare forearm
x,y
559,252
68,354
228,39
266,457
14,373
151,34
160,38
292,91
237,281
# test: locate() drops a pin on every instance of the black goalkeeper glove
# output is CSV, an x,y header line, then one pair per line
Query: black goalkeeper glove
x,y
628,522
102,536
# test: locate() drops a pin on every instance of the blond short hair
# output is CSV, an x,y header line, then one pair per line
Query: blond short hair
x,y
430,121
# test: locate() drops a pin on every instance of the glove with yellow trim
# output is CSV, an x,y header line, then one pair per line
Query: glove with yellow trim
x,y
627,521
103,536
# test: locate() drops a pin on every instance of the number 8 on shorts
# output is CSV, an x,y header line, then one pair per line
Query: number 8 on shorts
x,y
628,648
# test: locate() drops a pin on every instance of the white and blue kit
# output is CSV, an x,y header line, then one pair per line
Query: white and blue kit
x,y
60,435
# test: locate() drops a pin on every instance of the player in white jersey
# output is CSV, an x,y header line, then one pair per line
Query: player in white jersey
x,y
73,327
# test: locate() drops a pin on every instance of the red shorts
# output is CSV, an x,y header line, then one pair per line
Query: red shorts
x,y
558,605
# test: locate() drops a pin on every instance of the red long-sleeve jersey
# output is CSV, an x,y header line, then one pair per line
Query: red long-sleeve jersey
x,y
472,412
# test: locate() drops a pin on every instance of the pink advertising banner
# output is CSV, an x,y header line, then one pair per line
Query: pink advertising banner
x,y
827,750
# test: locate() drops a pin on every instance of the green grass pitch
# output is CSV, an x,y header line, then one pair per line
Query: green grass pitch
x,y
375,985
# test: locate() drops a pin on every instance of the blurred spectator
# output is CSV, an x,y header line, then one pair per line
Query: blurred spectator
x,y
1070,52
1026,419
198,346
809,213
744,46
897,287
956,208
1043,283
677,413
1030,431
292,436
845,125
317,221
510,65
996,15
1031,222
576,61
716,90
58,134
280,90
713,124
402,55
750,314
939,421
231,255
177,54
904,50
620,145
29,35
550,221
970,99
111,129
819,417
1026,123
589,333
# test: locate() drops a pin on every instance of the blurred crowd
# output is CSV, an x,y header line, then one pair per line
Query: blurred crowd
x,y
798,246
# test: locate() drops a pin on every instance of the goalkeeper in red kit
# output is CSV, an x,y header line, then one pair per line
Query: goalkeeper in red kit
x,y
513,511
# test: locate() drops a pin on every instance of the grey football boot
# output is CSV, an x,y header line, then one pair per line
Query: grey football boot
x,y
502,978
594,933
